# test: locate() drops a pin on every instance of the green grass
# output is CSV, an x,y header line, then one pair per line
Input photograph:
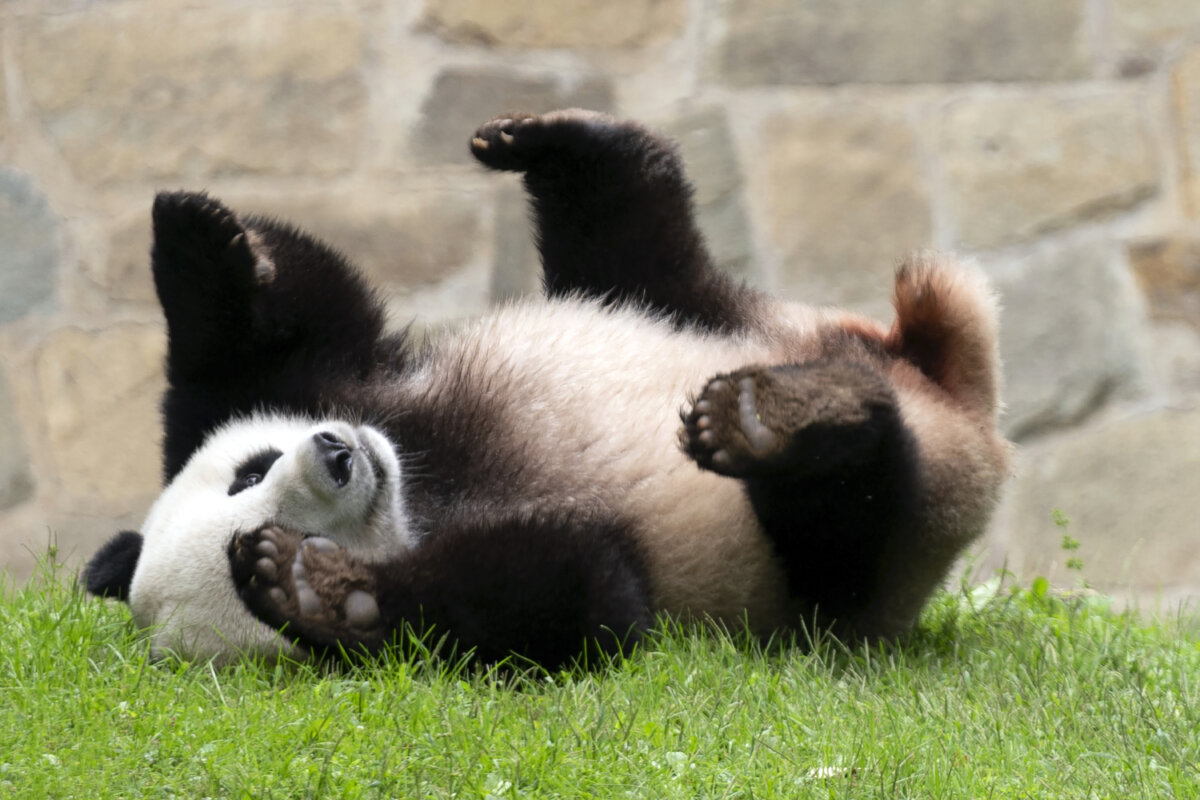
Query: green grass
x,y
998,695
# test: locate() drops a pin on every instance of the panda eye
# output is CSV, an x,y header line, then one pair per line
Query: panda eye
x,y
253,470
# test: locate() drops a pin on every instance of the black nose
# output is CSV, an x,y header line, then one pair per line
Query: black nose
x,y
336,454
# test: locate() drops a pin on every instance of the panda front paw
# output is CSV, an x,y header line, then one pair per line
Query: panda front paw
x,y
517,142
308,587
203,253
202,227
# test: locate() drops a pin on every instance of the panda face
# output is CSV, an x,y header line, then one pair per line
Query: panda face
x,y
327,478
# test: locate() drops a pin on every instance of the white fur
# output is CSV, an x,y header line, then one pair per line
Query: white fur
x,y
182,588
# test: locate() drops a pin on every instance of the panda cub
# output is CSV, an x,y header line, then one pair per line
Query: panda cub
x,y
650,438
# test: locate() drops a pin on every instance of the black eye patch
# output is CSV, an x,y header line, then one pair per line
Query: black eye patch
x,y
253,470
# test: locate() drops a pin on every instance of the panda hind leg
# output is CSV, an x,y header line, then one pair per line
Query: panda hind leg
x,y
831,471
790,420
614,215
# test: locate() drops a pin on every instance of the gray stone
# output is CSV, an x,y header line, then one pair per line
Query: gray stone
x,y
923,41
1070,333
150,91
613,23
845,202
1018,165
707,148
29,249
517,270
16,479
1129,492
451,111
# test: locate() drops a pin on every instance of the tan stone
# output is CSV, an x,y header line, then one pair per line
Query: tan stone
x,y
405,238
99,392
1129,492
1185,91
462,98
1141,28
574,24
917,41
154,91
845,202
1168,271
126,274
32,530
16,477
1019,165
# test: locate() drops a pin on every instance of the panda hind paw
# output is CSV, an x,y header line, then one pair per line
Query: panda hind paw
x,y
805,419
516,142
724,431
302,584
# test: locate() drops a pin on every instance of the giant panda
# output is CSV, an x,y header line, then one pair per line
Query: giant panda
x,y
543,482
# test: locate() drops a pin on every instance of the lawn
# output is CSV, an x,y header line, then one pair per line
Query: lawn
x,y
1000,693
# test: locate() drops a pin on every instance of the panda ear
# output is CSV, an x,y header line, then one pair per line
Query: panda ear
x,y
110,571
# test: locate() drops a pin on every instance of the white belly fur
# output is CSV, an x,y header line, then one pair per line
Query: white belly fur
x,y
595,396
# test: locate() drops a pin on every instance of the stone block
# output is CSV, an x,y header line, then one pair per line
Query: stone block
x,y
1070,333
29,246
16,476
126,272
1168,271
1143,29
845,202
462,98
99,393
706,145
517,269
399,238
1022,164
1185,96
921,41
1128,491
150,91
577,25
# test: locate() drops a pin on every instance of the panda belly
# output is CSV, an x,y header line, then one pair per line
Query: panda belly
x,y
588,404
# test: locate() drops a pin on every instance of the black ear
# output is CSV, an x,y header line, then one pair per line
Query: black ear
x,y
110,571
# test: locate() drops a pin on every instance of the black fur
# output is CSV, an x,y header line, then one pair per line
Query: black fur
x,y
552,590
110,571
242,335
613,212
261,316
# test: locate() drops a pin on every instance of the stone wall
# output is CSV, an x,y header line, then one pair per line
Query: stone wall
x,y
1058,143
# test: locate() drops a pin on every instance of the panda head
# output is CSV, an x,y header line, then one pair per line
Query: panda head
x,y
327,478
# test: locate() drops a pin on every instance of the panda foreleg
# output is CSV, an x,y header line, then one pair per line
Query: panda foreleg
x,y
550,591
258,316
830,468
614,214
